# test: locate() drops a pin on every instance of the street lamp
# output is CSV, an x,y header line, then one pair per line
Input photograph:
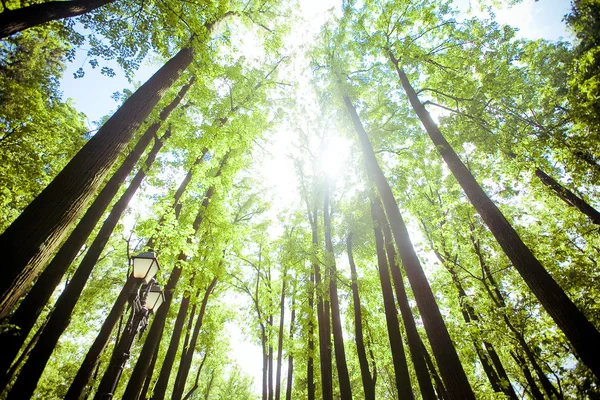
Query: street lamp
x,y
146,298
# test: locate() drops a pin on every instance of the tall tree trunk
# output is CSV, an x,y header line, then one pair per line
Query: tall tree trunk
x,y
33,304
148,381
31,239
290,370
391,317
453,375
367,380
336,322
165,372
569,197
154,335
93,355
535,391
270,375
577,328
439,385
265,361
13,21
412,335
310,364
61,315
280,340
193,389
188,355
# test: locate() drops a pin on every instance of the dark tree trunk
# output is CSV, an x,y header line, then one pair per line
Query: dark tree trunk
x,y
310,364
439,385
13,21
290,370
154,335
188,354
93,355
577,328
412,335
453,375
193,389
165,372
336,322
265,361
61,315
33,304
535,391
31,239
280,341
569,197
367,380
270,374
148,380
391,317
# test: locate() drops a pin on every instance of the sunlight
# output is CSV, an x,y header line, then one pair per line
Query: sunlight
x,y
334,155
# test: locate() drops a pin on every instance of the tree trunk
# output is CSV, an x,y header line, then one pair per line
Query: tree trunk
x,y
154,335
535,391
453,375
93,355
569,197
33,304
368,384
439,385
290,370
61,316
391,317
165,372
31,239
336,322
310,364
148,381
577,328
280,341
13,21
193,389
270,374
412,335
188,355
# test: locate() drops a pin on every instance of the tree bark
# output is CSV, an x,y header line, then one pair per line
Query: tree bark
x,y
569,197
31,239
270,357
13,21
280,341
310,364
165,372
61,316
154,335
535,391
453,375
412,335
577,328
33,304
93,355
391,317
367,380
148,381
290,370
336,322
188,355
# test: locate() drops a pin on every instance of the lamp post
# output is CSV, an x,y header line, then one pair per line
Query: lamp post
x,y
146,297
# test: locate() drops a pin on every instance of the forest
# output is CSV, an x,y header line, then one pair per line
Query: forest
x,y
385,200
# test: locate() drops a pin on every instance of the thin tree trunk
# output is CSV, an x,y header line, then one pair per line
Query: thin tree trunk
x,y
61,316
391,317
265,361
577,328
193,389
93,355
209,386
535,391
569,197
270,375
412,335
368,384
33,304
439,385
336,322
310,364
188,355
31,239
451,370
290,370
13,21
154,335
280,341
148,380
165,372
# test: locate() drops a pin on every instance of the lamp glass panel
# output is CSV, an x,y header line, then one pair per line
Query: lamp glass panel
x,y
141,265
153,300
153,270
160,300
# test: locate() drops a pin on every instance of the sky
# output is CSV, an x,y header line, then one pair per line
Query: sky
x,y
92,96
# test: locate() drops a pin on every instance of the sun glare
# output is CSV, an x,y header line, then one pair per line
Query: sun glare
x,y
334,155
